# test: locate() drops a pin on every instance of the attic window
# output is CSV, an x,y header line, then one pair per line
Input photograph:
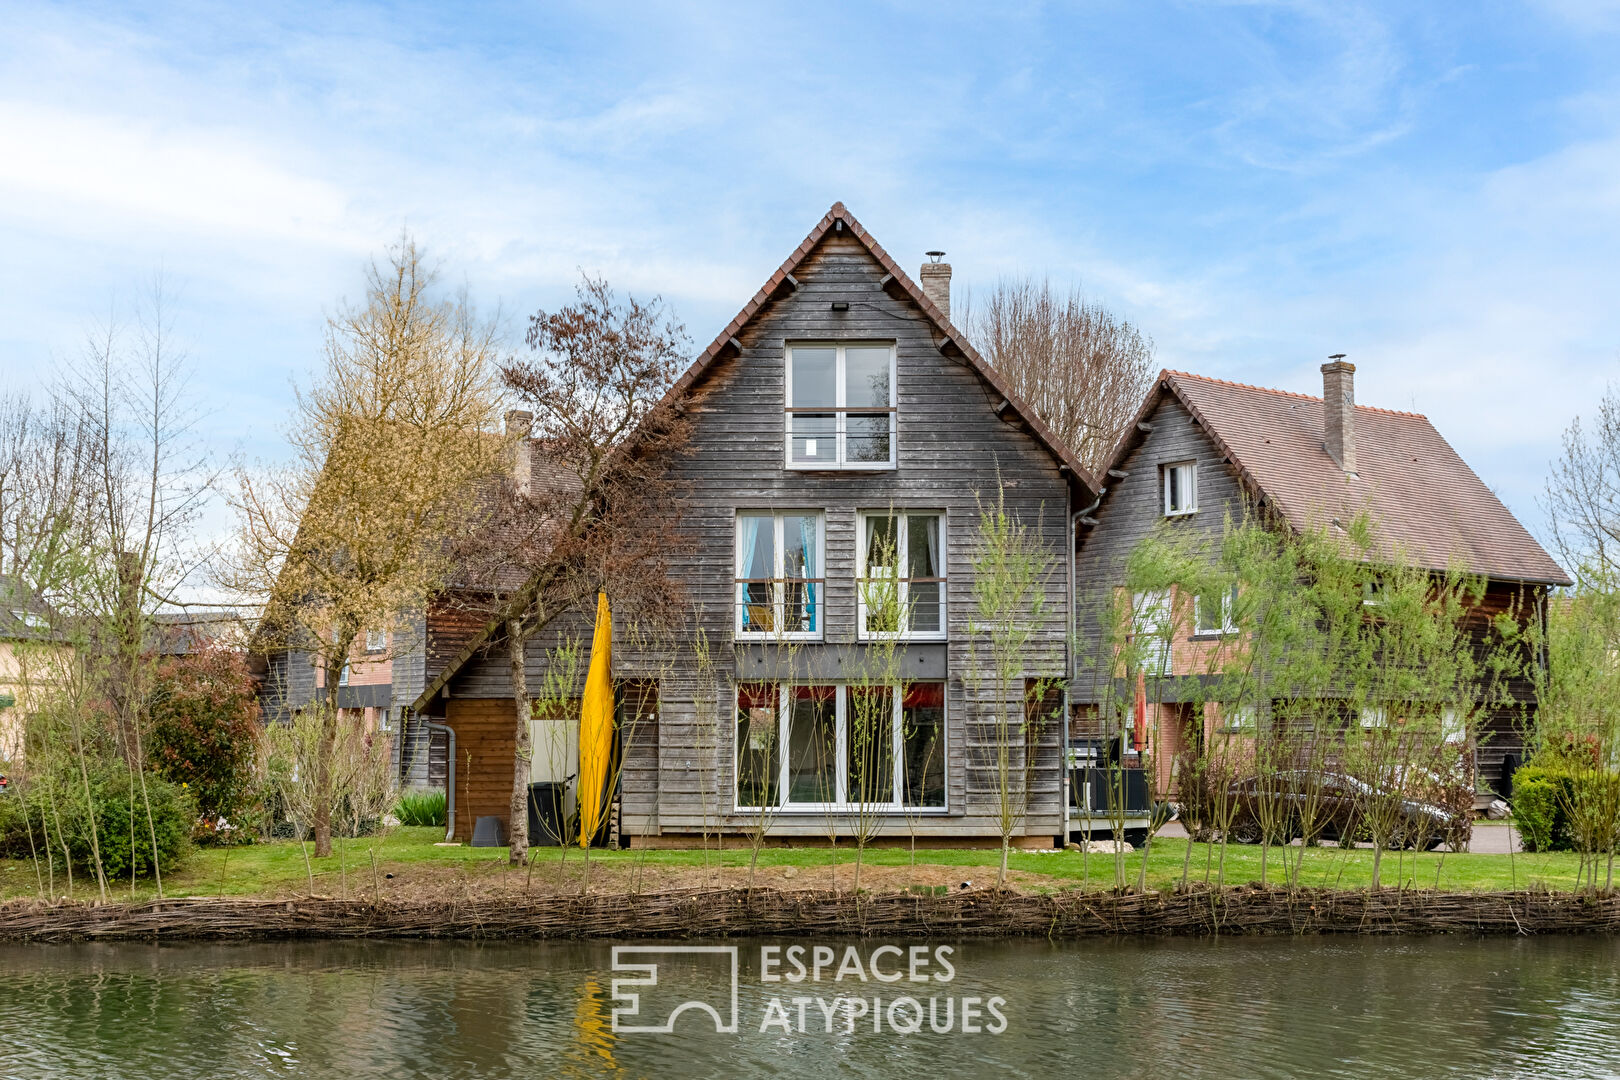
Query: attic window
x,y
1180,488
840,406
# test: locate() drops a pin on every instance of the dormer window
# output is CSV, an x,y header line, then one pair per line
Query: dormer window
x,y
840,406
1180,488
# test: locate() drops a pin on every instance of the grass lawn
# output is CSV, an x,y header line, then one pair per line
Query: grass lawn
x,y
360,868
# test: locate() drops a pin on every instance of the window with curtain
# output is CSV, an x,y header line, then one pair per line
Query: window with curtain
x,y
840,406
779,575
901,578
839,746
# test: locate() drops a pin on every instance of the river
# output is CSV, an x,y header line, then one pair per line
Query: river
x,y
1328,1007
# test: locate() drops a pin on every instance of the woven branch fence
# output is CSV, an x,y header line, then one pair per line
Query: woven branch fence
x,y
764,912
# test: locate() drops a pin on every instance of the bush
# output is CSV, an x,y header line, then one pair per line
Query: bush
x,y
205,735
423,807
1542,794
50,810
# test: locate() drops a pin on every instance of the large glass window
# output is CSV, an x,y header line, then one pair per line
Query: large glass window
x,y
779,582
841,746
901,582
758,759
840,406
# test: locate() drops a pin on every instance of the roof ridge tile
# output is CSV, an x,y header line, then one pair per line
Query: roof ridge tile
x,y
1286,393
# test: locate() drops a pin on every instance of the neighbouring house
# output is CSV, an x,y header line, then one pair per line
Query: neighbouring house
x,y
1205,451
33,659
840,415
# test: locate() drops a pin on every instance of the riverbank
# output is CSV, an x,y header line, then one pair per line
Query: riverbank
x,y
807,913
408,884
408,864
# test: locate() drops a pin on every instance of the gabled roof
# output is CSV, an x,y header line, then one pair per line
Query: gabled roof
x,y
955,340
1422,495
726,344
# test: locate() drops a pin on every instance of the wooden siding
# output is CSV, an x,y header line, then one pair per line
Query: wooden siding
x,y
1131,511
678,775
484,750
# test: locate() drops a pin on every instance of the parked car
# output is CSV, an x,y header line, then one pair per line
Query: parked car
x,y
1340,802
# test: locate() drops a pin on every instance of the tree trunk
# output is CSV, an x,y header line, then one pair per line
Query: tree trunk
x,y
323,761
523,752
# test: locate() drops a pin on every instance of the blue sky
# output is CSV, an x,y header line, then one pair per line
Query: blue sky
x,y
1432,188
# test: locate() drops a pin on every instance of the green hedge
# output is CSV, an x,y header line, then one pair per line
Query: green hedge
x,y
52,809
1540,795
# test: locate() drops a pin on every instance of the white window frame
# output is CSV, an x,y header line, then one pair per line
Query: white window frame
x,y
1156,654
841,750
1189,471
1239,719
779,589
380,637
1453,725
1228,611
902,537
841,408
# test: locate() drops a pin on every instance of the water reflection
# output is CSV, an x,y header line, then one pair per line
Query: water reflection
x,y
1253,1008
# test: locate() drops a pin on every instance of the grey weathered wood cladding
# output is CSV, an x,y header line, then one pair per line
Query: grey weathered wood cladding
x,y
953,453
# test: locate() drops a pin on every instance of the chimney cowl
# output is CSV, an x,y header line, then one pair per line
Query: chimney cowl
x,y
1339,412
936,282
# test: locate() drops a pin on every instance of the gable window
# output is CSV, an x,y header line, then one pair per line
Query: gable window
x,y
901,579
1180,488
778,579
1151,629
840,406
836,746
1216,613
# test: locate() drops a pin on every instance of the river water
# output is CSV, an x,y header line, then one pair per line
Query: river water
x,y
1331,1007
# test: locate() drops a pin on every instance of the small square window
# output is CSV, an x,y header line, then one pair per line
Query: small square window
x,y
1216,613
376,640
1180,488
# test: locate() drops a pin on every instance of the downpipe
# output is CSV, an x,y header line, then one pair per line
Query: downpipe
x,y
449,777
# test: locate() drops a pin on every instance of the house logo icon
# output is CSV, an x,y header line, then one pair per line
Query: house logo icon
x,y
719,1002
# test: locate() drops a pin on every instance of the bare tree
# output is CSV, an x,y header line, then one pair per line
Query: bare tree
x,y
599,513
1583,496
392,447
1083,369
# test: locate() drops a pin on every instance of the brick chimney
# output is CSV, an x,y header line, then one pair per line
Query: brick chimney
x,y
936,282
518,424
1339,405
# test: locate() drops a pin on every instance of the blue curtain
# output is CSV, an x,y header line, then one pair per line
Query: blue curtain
x,y
807,544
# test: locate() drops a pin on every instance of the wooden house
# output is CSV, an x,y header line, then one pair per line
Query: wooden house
x,y
838,415
1204,451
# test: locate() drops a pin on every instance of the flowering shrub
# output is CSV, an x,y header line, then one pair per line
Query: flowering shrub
x,y
205,736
